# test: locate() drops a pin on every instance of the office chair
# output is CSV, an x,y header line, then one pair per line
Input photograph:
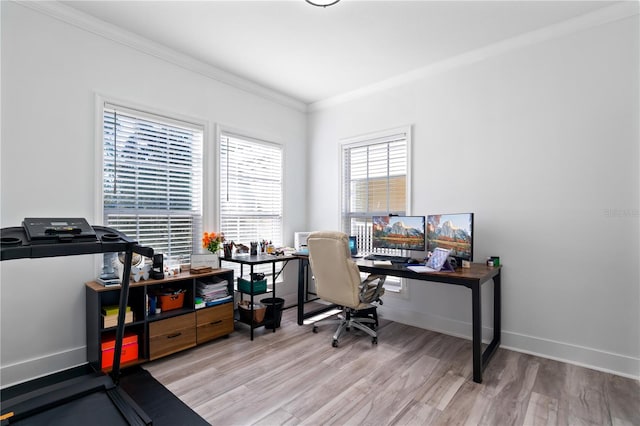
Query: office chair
x,y
338,281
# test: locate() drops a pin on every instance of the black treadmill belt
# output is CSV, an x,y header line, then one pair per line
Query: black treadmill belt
x,y
158,404
92,409
84,398
12,400
157,401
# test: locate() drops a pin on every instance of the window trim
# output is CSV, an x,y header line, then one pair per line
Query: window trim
x,y
100,100
367,139
221,130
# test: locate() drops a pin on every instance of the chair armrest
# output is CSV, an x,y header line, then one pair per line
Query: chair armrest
x,y
370,292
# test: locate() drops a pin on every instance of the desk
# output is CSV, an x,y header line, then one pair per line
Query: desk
x,y
260,259
472,278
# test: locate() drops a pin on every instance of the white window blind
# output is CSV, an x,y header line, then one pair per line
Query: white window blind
x,y
152,179
250,190
374,184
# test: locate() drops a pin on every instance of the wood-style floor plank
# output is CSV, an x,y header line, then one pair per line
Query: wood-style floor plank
x,y
411,377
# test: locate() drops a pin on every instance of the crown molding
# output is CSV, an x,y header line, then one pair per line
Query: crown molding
x,y
621,10
95,26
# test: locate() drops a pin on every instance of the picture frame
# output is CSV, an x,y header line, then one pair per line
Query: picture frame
x,y
209,259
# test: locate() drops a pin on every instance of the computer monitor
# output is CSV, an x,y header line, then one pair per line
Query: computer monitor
x,y
453,232
398,232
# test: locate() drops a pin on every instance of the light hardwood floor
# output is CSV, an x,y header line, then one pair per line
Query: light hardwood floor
x,y
411,377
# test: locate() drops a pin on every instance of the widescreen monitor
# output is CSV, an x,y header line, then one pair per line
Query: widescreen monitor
x,y
399,232
453,232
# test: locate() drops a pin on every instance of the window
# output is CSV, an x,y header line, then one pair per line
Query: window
x,y
375,182
250,190
152,179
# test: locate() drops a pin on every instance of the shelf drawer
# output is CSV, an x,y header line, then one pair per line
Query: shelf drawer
x,y
214,322
172,335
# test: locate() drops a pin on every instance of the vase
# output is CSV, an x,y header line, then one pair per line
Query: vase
x,y
215,260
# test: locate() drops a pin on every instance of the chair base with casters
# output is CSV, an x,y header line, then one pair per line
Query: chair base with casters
x,y
356,319
338,281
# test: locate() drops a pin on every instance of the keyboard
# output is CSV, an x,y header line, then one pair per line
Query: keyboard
x,y
392,259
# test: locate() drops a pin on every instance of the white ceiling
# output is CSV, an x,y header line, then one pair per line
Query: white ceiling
x,y
312,54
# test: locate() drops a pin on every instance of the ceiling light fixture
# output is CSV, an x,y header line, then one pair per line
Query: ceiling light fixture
x,y
322,3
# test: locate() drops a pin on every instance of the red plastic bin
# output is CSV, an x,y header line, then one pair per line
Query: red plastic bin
x,y
171,301
129,349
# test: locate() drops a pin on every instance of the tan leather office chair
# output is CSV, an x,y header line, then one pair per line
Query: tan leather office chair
x,y
337,280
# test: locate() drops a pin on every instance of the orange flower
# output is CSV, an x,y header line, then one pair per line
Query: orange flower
x,y
212,241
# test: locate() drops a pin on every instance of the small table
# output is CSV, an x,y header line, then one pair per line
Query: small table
x,y
253,260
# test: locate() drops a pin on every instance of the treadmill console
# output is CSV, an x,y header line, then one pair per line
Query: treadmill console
x,y
46,237
65,229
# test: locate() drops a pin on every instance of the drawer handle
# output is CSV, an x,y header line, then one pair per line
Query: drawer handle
x,y
215,322
171,336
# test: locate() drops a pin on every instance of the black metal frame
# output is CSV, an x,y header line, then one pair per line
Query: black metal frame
x,y
259,259
15,244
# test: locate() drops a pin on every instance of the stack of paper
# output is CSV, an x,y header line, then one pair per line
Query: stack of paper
x,y
213,293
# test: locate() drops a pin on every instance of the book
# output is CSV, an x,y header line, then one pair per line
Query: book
x,y
113,309
108,282
112,320
218,301
200,269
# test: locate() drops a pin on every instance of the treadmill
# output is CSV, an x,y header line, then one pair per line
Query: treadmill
x,y
93,398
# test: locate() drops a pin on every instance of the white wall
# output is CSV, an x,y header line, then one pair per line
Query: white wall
x,y
545,138
542,143
51,73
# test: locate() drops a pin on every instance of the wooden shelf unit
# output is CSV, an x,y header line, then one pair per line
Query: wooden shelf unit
x,y
165,333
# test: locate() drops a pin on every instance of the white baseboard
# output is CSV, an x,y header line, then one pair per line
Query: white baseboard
x,y
582,356
19,372
594,359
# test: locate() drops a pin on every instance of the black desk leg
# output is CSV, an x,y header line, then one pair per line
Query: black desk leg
x,y
273,293
301,291
497,309
251,297
476,302
492,347
481,359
